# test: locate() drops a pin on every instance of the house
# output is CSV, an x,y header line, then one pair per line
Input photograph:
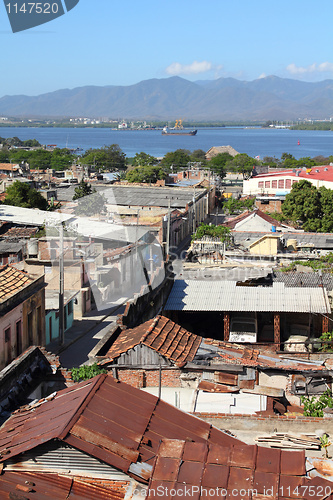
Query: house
x,y
162,357
34,374
269,244
205,305
215,150
10,169
52,312
255,220
281,182
22,312
11,252
113,435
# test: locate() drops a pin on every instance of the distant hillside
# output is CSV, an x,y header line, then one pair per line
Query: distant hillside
x,y
269,98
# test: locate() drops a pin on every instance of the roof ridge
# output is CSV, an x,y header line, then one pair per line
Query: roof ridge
x,y
73,420
154,322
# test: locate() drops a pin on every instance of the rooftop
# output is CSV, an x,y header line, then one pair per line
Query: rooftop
x,y
324,173
107,419
163,336
202,471
200,295
12,281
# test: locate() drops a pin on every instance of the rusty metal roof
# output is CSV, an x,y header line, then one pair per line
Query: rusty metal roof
x,y
12,281
161,334
27,486
193,469
107,419
252,357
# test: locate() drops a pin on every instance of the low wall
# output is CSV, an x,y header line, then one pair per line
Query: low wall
x,y
276,423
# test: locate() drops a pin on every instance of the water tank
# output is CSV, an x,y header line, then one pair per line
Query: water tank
x,y
291,245
32,247
273,229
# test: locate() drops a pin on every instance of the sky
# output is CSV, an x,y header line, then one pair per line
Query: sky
x,y
108,42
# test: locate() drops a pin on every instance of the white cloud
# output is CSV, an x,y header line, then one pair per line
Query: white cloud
x,y
263,75
312,68
189,69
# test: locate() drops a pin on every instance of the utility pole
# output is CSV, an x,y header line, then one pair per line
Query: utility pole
x,y
61,286
168,231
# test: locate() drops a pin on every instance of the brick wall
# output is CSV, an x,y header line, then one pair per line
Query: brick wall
x,y
150,378
271,207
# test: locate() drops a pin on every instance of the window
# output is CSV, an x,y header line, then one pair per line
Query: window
x,y
274,184
267,184
7,335
288,183
18,338
281,183
260,184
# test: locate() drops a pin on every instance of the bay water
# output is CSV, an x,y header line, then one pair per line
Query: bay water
x,y
254,141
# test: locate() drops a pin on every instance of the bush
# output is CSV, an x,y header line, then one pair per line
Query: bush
x,y
85,372
314,407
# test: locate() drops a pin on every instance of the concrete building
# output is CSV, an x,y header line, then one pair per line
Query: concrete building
x,y
22,312
280,183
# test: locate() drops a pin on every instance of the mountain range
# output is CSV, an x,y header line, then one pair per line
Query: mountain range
x,y
224,99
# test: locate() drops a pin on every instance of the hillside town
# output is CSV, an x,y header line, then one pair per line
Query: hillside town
x,y
166,326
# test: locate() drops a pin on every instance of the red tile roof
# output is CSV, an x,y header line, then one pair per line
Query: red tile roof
x,y
20,232
12,281
163,336
203,471
324,173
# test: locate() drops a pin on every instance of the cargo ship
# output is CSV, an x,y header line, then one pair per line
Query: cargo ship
x,y
178,129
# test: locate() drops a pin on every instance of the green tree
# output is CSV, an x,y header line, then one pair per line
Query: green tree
x,y
144,160
61,159
90,202
20,194
145,174
83,189
199,155
326,202
303,204
242,164
221,232
4,155
176,160
106,158
218,164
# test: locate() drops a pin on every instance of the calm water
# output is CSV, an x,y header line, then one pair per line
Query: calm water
x,y
253,141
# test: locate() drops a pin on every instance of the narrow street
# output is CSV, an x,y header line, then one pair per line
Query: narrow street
x,y
76,354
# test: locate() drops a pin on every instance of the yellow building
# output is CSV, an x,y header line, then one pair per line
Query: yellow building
x,y
269,244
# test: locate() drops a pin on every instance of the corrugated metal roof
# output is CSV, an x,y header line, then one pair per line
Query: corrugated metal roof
x,y
27,486
57,457
163,336
202,471
107,419
200,295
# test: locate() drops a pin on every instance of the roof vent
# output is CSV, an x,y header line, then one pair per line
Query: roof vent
x,y
297,173
326,169
317,171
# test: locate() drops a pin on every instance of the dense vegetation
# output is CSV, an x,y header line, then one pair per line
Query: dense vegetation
x,y
310,207
221,232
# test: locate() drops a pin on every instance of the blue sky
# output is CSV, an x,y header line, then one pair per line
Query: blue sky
x,y
107,42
